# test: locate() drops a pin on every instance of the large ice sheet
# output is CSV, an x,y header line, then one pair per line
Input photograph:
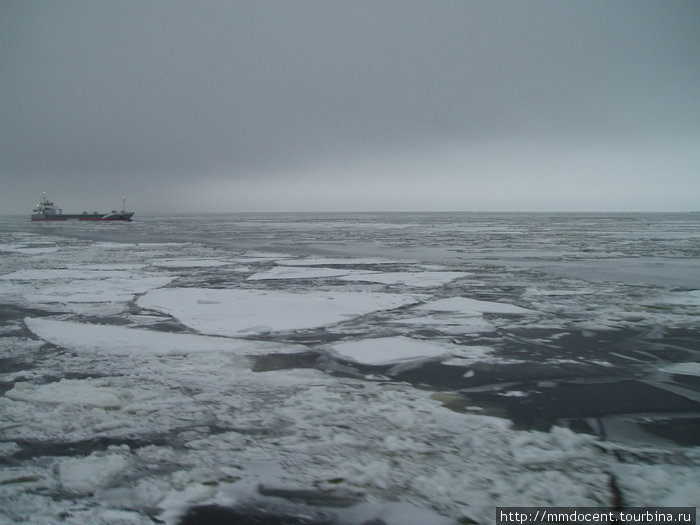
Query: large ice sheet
x,y
115,290
146,246
425,279
472,307
188,263
236,312
386,350
421,279
58,274
334,261
298,273
92,289
119,340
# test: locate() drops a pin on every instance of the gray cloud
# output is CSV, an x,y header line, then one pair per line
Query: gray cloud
x,y
244,96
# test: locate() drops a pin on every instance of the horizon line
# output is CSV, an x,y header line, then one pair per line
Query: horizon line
x,y
310,212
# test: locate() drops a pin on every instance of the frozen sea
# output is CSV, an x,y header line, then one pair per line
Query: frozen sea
x,y
347,368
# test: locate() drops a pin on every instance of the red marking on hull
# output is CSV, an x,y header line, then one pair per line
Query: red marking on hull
x,y
105,219
81,219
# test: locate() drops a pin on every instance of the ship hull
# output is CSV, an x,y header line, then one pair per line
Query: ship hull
x,y
47,211
126,216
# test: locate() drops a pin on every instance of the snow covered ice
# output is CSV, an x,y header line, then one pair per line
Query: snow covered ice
x,y
235,312
347,368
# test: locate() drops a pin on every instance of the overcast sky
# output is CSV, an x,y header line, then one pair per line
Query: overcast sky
x,y
350,105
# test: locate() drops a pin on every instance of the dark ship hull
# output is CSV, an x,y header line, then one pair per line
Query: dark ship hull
x,y
47,211
113,216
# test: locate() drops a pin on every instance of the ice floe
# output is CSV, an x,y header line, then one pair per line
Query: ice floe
x,y
298,273
263,256
236,312
420,279
87,474
101,285
337,261
139,245
103,267
119,340
558,293
387,350
98,393
188,263
424,279
472,307
80,290
76,273
686,369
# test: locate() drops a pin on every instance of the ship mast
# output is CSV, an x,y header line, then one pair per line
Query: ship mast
x,y
123,203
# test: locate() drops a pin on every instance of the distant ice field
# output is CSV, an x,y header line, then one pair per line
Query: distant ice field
x,y
347,368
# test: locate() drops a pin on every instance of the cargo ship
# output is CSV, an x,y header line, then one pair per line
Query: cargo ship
x,y
47,211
